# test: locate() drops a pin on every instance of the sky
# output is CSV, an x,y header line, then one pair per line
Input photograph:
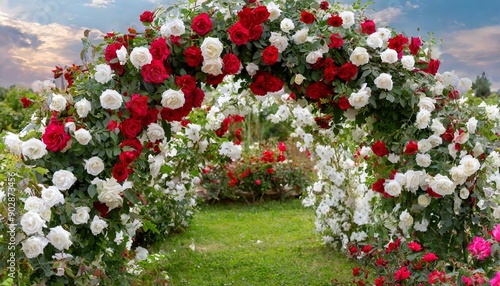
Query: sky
x,y
37,35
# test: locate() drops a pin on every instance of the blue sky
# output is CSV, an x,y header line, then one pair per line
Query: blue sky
x,y
36,35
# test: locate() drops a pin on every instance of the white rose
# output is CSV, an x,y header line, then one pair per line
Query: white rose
x,y
470,164
423,119
389,56
427,103
408,62
212,66
300,36
155,132
464,193
33,246
274,11
435,141
277,40
464,85
94,166
359,99
111,198
393,158
442,185
103,73
140,56
424,200
13,143
384,33
63,179
174,27
34,149
52,196
405,220
375,41
299,78
313,56
69,127
458,175
347,19
478,150
34,204
461,138
359,56
413,180
46,214
58,103
111,99
384,81
252,69
59,238
424,145
32,222
83,107
172,99
472,125
83,136
437,127
424,160
287,25
122,55
437,90
140,253
81,216
450,78
98,225
392,187
211,48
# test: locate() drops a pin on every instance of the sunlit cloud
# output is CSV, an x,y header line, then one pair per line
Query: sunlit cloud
x,y
100,3
386,16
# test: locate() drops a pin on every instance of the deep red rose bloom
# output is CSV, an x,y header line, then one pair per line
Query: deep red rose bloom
x,y
112,125
270,171
436,277
380,149
138,105
146,17
128,157
198,96
344,103
368,27
264,82
101,208
381,262
323,122
267,157
154,72
238,34
367,248
25,101
55,137
231,64
273,84
270,55
307,18
132,145
282,148
414,246
355,271
171,114
318,90
193,56
260,14
348,71
246,17
120,172
150,117
378,186
411,148
336,41
201,24
449,134
110,52
324,5
352,250
402,274
187,83
280,158
330,73
335,20
429,257
130,127
415,44
159,49
255,31
433,66
380,281
215,80
397,43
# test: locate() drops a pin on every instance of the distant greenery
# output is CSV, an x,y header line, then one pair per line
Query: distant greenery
x,y
13,115
482,86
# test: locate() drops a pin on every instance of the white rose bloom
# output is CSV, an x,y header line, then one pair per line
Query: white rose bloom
x,y
231,150
140,253
300,36
212,66
421,226
103,73
408,62
274,11
442,185
427,103
83,136
384,33
174,27
63,179
464,193
472,125
69,127
438,89
384,81
478,150
452,150
496,213
13,143
389,56
252,69
492,112
279,41
140,56
424,200
287,25
437,127
111,99
413,179
450,78
81,216
46,214
193,132
464,85
97,225
32,222
211,48
313,56
94,166
359,56
155,132
299,78
423,119
347,19
122,55
34,204
424,145
424,160
360,98
59,238
58,102
375,41
33,246
461,138
111,198
83,107
392,187
405,221
470,164
393,158
435,141
52,196
172,99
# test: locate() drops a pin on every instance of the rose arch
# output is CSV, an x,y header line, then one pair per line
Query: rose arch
x,y
112,159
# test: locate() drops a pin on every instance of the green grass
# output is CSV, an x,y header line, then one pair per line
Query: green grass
x,y
272,243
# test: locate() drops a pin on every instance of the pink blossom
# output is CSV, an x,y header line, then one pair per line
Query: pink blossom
x,y
495,281
257,182
480,248
496,233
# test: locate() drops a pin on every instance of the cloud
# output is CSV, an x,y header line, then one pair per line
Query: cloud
x,y
386,16
100,3
411,5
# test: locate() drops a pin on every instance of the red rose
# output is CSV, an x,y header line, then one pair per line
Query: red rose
x,y
128,157
26,102
272,83
138,105
201,24
257,85
270,55
380,281
215,80
330,73
318,90
159,49
344,103
55,137
260,14
323,122
110,54
335,20
307,18
255,31
402,274
368,27
414,246
171,114
198,97
231,64
336,41
449,134
146,17
324,5
193,56
112,125
348,71
238,34
246,17
411,148
397,43
429,257
132,145
130,127
415,45
187,83
154,72
378,187
150,117
380,149
120,172
433,66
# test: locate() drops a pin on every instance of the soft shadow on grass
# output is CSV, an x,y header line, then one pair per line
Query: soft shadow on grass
x,y
272,243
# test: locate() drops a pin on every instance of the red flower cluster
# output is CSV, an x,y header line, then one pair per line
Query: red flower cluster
x,y
249,26
264,82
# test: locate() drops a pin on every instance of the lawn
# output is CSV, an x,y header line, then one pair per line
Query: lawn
x,y
272,243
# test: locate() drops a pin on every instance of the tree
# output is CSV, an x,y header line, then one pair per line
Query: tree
x,y
482,86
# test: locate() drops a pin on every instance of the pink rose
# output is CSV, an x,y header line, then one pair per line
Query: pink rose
x,y
496,233
480,248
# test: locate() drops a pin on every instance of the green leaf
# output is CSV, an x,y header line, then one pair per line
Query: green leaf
x,y
92,189
41,171
390,97
131,196
148,225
